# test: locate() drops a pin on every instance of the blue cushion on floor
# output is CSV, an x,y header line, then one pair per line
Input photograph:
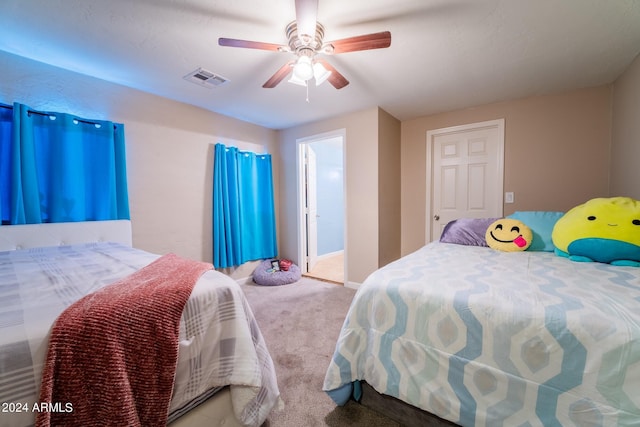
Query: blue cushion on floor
x,y
266,276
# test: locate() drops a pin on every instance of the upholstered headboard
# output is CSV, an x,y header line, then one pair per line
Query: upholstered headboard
x,y
65,233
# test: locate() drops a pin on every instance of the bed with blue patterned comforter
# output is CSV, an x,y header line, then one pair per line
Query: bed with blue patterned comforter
x,y
487,338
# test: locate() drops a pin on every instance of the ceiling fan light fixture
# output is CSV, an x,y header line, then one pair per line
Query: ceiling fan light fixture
x,y
296,81
303,70
320,73
305,38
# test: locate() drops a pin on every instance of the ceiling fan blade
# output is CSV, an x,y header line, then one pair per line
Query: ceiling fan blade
x,y
306,16
279,75
336,79
352,44
252,45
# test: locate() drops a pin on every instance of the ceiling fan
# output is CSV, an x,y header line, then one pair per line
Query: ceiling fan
x,y
305,36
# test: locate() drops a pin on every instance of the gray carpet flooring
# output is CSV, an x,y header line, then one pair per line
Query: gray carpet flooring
x,y
301,323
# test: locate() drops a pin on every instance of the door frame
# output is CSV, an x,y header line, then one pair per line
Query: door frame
x,y
311,218
431,134
302,226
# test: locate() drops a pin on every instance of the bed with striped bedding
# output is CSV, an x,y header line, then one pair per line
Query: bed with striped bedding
x,y
220,343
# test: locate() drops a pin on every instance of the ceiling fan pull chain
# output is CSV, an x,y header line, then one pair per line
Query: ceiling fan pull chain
x,y
307,86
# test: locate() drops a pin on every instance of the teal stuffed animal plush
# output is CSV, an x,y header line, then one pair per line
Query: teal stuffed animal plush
x,y
602,230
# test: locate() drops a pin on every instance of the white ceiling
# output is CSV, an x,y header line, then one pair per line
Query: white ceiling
x,y
444,54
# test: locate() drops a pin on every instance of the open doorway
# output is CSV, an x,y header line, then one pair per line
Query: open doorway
x,y
322,206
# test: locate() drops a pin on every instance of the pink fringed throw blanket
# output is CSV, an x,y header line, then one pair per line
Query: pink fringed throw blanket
x,y
112,354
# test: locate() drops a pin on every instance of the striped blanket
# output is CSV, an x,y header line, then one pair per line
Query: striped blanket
x,y
112,354
220,343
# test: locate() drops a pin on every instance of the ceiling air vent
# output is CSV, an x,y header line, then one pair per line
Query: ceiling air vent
x,y
205,78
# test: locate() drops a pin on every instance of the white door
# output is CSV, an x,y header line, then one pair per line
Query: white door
x,y
312,208
465,166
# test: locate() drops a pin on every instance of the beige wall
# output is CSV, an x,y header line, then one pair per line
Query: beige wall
x,y
556,153
388,188
361,192
170,161
169,149
625,150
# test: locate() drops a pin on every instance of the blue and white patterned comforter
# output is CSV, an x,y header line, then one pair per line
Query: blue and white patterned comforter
x,y
487,338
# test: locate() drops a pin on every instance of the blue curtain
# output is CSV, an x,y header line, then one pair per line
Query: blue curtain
x,y
56,167
244,225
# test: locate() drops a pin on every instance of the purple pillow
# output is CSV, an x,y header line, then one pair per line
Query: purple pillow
x,y
467,231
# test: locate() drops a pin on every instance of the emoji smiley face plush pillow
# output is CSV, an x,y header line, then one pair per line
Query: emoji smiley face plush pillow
x,y
508,235
602,230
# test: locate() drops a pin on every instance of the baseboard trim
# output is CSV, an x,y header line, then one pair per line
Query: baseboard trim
x,y
352,285
245,280
330,254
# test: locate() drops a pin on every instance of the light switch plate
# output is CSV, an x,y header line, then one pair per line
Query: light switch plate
x,y
508,197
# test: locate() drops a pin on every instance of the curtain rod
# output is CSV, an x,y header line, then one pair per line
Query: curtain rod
x,y
10,107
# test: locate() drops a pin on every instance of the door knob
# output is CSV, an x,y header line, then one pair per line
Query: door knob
x,y
436,217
